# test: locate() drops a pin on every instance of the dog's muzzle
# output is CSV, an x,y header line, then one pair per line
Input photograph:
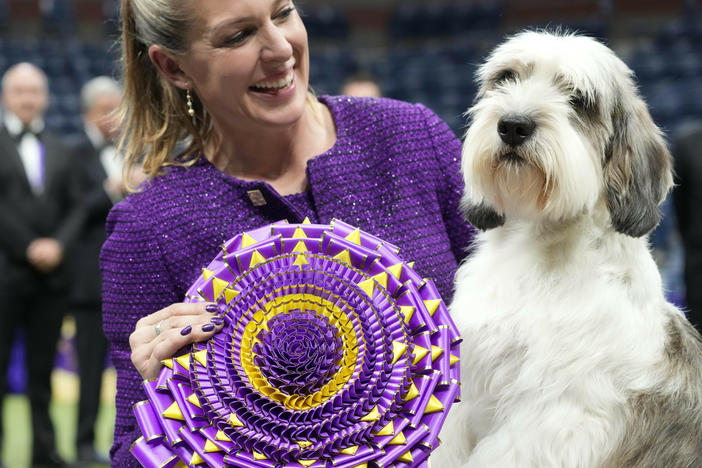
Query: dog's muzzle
x,y
515,129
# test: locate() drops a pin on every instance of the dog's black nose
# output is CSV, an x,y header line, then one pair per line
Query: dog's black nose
x,y
515,129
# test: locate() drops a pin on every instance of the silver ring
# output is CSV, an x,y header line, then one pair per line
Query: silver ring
x,y
157,328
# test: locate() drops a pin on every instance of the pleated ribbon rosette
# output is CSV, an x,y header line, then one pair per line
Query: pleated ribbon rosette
x,y
334,353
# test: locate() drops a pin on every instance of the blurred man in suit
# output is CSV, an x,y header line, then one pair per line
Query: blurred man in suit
x,y
687,200
101,182
40,217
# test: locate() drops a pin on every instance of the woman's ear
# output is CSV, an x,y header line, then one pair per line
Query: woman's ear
x,y
169,67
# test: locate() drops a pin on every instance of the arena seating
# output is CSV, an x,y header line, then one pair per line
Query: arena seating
x,y
432,56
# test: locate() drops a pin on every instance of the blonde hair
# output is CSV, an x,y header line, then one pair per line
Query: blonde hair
x,y
153,111
156,128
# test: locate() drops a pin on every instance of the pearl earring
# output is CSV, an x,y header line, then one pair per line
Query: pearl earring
x,y
189,99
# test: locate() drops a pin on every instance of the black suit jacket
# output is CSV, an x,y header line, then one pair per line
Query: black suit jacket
x,y
84,260
687,199
24,216
687,196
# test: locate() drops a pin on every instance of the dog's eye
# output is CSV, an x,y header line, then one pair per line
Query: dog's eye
x,y
578,101
504,76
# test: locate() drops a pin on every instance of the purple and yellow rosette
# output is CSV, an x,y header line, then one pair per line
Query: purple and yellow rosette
x,y
334,353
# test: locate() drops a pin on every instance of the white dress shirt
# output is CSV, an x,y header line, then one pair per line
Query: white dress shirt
x,y
30,149
110,159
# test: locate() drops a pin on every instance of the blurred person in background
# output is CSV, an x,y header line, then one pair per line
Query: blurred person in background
x,y
40,218
99,167
687,201
230,79
362,85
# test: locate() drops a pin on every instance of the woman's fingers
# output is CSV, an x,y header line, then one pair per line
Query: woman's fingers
x,y
180,308
172,340
161,334
149,327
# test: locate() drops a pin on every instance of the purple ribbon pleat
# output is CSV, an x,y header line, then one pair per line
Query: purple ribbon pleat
x,y
154,454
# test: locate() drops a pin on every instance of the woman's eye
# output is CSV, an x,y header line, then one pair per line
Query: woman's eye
x,y
241,36
284,13
238,37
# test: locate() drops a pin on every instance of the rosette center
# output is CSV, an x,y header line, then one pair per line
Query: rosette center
x,y
299,353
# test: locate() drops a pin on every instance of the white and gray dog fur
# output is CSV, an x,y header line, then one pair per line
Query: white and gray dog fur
x,y
571,356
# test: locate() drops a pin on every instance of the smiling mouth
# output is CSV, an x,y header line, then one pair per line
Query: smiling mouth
x,y
273,87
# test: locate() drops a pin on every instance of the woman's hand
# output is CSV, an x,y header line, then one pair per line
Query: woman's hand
x,y
159,335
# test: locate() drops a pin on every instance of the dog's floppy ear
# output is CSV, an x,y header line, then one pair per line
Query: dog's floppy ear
x,y
481,216
637,168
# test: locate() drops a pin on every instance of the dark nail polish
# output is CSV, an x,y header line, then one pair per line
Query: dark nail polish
x,y
217,320
208,327
211,308
186,330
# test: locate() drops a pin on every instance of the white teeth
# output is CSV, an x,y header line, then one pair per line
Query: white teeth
x,y
282,83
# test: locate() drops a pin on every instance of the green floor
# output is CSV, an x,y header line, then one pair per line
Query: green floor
x,y
17,446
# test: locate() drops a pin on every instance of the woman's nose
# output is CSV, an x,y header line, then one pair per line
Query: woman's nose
x,y
276,47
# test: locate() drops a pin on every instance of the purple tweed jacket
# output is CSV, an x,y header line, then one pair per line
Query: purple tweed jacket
x,y
393,172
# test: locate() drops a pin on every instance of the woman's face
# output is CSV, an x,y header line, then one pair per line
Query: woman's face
x,y
248,62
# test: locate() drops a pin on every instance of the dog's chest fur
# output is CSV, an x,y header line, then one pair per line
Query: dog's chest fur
x,y
543,314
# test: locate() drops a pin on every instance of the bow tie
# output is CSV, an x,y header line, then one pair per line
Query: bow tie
x,y
25,131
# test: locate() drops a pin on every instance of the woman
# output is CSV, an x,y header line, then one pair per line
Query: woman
x,y
229,77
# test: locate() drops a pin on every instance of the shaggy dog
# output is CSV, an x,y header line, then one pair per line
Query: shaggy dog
x,y
571,356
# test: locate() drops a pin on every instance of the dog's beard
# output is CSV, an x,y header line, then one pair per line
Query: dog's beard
x,y
553,175
521,184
